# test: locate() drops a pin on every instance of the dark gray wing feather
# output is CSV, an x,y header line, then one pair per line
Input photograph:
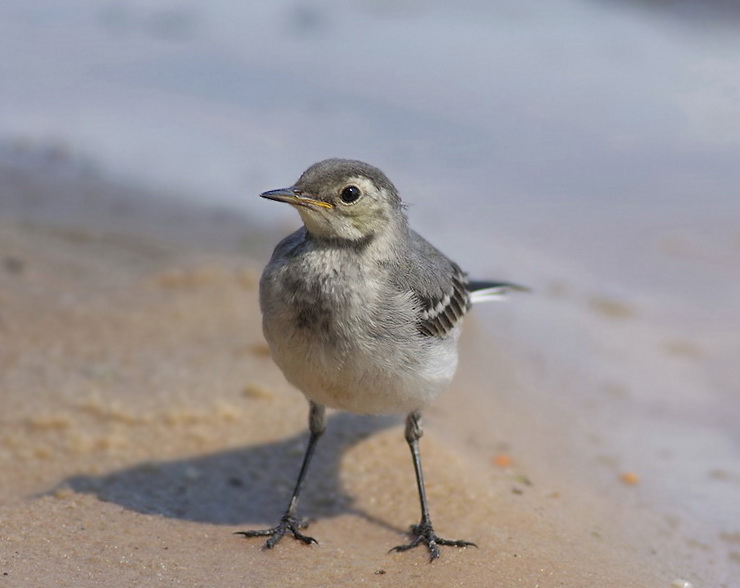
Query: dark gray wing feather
x,y
441,289
440,315
439,286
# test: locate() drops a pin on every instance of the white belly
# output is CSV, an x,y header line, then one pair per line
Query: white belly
x,y
362,382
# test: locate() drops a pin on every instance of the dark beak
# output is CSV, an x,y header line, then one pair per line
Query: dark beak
x,y
296,197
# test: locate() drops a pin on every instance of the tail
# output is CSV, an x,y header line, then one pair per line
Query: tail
x,y
485,291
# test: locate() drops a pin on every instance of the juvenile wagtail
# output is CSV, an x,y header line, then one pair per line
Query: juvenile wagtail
x,y
362,314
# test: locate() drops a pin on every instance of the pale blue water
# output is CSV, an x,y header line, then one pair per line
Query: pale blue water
x,y
509,116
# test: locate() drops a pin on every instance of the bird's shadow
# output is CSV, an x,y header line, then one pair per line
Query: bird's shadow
x,y
247,485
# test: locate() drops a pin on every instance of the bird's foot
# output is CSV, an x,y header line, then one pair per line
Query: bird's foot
x,y
424,533
289,523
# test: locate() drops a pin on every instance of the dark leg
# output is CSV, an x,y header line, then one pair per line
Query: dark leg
x,y
423,532
290,522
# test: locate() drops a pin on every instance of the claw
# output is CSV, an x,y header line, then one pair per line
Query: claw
x,y
423,532
274,535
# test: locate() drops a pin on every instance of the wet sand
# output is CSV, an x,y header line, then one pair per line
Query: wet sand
x,y
143,422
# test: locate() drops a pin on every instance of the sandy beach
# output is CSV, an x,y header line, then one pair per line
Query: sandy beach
x,y
143,422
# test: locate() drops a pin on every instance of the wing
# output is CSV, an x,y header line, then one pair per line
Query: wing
x,y
441,314
439,287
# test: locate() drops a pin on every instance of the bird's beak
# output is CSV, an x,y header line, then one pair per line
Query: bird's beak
x,y
296,197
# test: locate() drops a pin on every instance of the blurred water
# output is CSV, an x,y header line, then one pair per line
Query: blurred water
x,y
518,114
583,146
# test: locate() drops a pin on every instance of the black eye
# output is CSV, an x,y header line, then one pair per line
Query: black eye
x,y
350,194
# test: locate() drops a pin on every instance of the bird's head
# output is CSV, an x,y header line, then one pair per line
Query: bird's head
x,y
343,199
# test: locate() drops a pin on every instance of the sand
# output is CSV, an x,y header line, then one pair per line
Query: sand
x,y
143,423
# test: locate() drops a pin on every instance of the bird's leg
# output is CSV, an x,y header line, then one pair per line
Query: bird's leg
x,y
423,532
289,521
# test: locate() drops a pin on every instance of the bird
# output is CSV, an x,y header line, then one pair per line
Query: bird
x,y
362,314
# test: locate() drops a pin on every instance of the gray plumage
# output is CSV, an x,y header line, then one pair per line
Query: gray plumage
x,y
360,312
